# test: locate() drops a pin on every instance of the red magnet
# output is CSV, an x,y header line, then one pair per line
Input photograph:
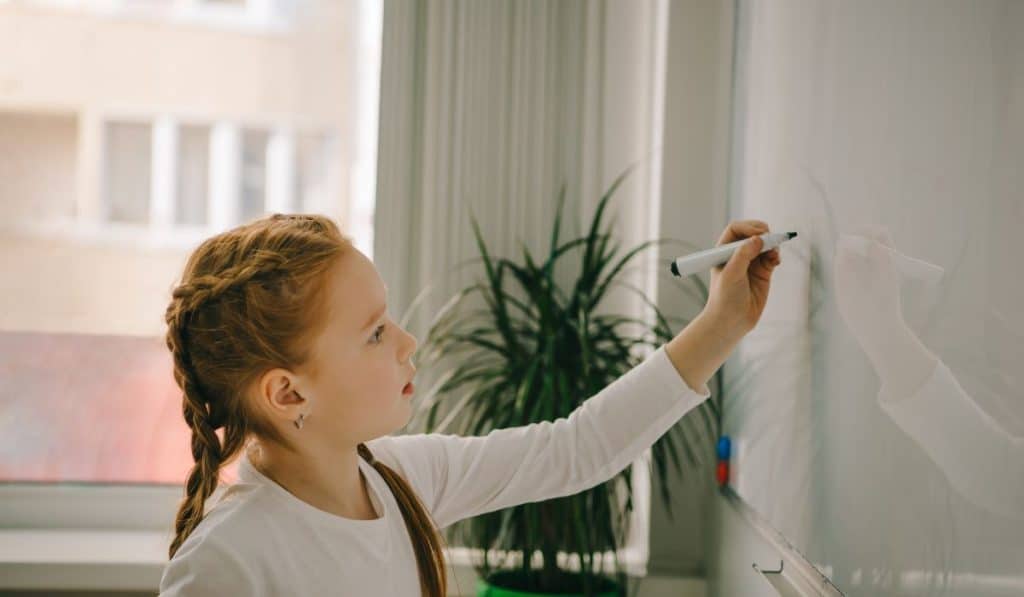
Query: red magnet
x,y
723,472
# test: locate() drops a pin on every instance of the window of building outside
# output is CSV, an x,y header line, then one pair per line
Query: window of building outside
x,y
131,130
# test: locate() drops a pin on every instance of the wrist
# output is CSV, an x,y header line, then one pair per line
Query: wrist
x,y
701,348
725,327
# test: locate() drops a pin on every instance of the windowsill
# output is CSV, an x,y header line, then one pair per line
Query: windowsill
x,y
132,560
81,559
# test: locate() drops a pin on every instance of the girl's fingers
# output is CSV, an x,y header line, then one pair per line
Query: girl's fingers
x,y
760,268
740,229
742,259
765,264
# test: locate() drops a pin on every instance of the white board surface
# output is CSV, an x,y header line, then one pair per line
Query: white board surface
x,y
877,410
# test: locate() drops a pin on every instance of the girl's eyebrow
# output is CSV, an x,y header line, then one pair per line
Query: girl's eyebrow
x,y
375,317
377,314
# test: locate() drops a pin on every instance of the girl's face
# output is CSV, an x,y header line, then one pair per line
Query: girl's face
x,y
363,359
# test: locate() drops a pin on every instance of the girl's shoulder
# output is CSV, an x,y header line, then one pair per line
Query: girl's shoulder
x,y
217,558
233,514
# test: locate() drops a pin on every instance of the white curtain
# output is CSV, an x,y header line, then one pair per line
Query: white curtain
x,y
491,106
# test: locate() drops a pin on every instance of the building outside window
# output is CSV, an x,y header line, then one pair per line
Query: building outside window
x,y
131,130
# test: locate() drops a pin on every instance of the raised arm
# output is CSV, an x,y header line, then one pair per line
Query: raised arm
x,y
463,476
460,477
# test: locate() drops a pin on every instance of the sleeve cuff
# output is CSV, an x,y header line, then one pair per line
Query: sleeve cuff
x,y
669,378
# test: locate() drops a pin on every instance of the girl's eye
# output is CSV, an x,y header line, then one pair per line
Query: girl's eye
x,y
378,332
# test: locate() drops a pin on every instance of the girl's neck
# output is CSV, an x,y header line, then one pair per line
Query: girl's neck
x,y
335,485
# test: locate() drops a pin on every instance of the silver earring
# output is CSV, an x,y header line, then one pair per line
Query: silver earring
x,y
298,422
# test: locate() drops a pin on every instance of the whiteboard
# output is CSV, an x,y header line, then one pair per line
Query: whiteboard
x,y
877,410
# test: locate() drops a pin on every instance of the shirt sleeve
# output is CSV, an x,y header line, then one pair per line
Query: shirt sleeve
x,y
981,460
206,569
459,477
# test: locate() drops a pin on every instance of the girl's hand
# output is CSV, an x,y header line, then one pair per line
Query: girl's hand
x,y
739,289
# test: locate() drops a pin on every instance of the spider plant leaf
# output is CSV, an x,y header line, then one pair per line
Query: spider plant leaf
x,y
599,291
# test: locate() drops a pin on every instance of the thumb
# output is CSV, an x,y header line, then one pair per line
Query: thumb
x,y
737,266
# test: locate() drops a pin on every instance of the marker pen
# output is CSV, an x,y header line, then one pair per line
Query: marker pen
x,y
705,260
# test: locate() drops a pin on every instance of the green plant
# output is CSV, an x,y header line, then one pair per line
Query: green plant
x,y
537,358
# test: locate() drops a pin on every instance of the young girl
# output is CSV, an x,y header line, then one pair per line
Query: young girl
x,y
280,337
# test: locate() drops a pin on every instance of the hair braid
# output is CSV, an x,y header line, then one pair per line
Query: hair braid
x,y
203,416
430,559
208,287
206,446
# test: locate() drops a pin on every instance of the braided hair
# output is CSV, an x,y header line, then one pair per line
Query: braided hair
x,y
248,301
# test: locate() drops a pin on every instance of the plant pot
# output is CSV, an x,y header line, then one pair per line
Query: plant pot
x,y
501,584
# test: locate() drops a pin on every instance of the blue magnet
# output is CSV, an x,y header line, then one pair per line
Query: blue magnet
x,y
724,448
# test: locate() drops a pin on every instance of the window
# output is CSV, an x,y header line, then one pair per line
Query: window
x,y
254,174
312,184
133,140
127,176
163,175
193,175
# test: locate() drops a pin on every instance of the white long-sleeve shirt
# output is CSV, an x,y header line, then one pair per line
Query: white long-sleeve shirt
x,y
259,539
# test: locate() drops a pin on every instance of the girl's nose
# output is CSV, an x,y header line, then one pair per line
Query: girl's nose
x,y
414,345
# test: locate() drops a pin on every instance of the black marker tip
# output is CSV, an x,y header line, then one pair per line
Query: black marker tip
x,y
791,234
674,269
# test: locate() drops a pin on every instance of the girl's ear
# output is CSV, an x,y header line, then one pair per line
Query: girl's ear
x,y
277,391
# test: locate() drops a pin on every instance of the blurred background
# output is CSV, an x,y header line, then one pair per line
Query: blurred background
x,y
875,414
